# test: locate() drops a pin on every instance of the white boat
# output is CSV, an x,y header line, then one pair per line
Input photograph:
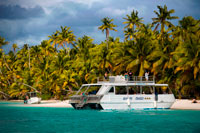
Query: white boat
x,y
117,93
33,99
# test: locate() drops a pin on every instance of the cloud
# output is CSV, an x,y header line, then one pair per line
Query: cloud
x,y
31,21
18,12
32,3
120,12
88,3
31,40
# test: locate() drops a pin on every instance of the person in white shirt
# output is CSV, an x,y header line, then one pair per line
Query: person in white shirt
x,y
147,75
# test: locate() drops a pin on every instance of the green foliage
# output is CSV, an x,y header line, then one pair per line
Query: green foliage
x,y
46,96
171,55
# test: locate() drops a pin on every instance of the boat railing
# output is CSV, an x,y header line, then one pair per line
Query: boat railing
x,y
102,79
151,79
133,79
85,99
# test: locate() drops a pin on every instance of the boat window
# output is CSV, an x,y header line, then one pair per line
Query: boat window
x,y
90,89
120,90
133,90
83,89
93,89
111,90
147,90
162,90
32,94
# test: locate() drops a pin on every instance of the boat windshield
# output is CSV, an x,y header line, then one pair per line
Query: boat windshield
x,y
89,89
32,94
162,90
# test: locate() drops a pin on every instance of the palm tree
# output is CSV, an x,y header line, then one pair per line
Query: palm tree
x,y
162,18
66,37
83,57
2,41
132,20
54,39
100,57
129,33
83,45
188,51
14,47
107,25
187,26
187,58
133,54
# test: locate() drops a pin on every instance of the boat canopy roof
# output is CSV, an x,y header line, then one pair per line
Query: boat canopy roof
x,y
125,84
121,81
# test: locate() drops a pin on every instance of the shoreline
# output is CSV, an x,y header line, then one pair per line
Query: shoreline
x,y
182,104
185,104
44,103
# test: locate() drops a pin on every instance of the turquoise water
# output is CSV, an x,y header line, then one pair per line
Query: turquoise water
x,y
53,120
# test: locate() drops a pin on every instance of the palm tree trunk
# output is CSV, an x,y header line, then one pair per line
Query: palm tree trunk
x,y
70,88
6,63
107,37
133,33
29,64
6,96
162,34
30,87
4,76
156,28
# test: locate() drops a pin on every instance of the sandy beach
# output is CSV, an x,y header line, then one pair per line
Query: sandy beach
x,y
46,103
186,104
178,104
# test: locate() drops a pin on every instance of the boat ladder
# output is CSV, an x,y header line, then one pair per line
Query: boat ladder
x,y
82,103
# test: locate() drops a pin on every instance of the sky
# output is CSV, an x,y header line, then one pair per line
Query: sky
x,y
31,21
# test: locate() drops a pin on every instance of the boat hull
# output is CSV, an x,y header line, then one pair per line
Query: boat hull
x,y
124,102
135,106
95,106
34,100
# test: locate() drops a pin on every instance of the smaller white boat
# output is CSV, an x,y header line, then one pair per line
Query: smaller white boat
x,y
33,99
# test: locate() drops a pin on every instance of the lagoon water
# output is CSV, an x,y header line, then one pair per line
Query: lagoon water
x,y
20,119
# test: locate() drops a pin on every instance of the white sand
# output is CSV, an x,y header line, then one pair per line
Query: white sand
x,y
179,104
186,104
49,103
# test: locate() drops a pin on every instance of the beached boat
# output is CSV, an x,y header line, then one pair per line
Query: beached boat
x,y
120,93
32,98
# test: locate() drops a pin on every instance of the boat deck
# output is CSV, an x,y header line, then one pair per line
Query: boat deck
x,y
134,79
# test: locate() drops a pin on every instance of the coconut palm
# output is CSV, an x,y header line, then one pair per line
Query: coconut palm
x,y
3,42
107,25
187,27
66,37
128,33
132,21
54,39
188,52
162,18
83,57
14,47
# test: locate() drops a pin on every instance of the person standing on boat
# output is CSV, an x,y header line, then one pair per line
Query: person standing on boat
x,y
130,74
147,75
26,99
126,76
106,76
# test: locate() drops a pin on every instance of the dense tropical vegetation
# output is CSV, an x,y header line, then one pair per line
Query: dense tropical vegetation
x,y
171,54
